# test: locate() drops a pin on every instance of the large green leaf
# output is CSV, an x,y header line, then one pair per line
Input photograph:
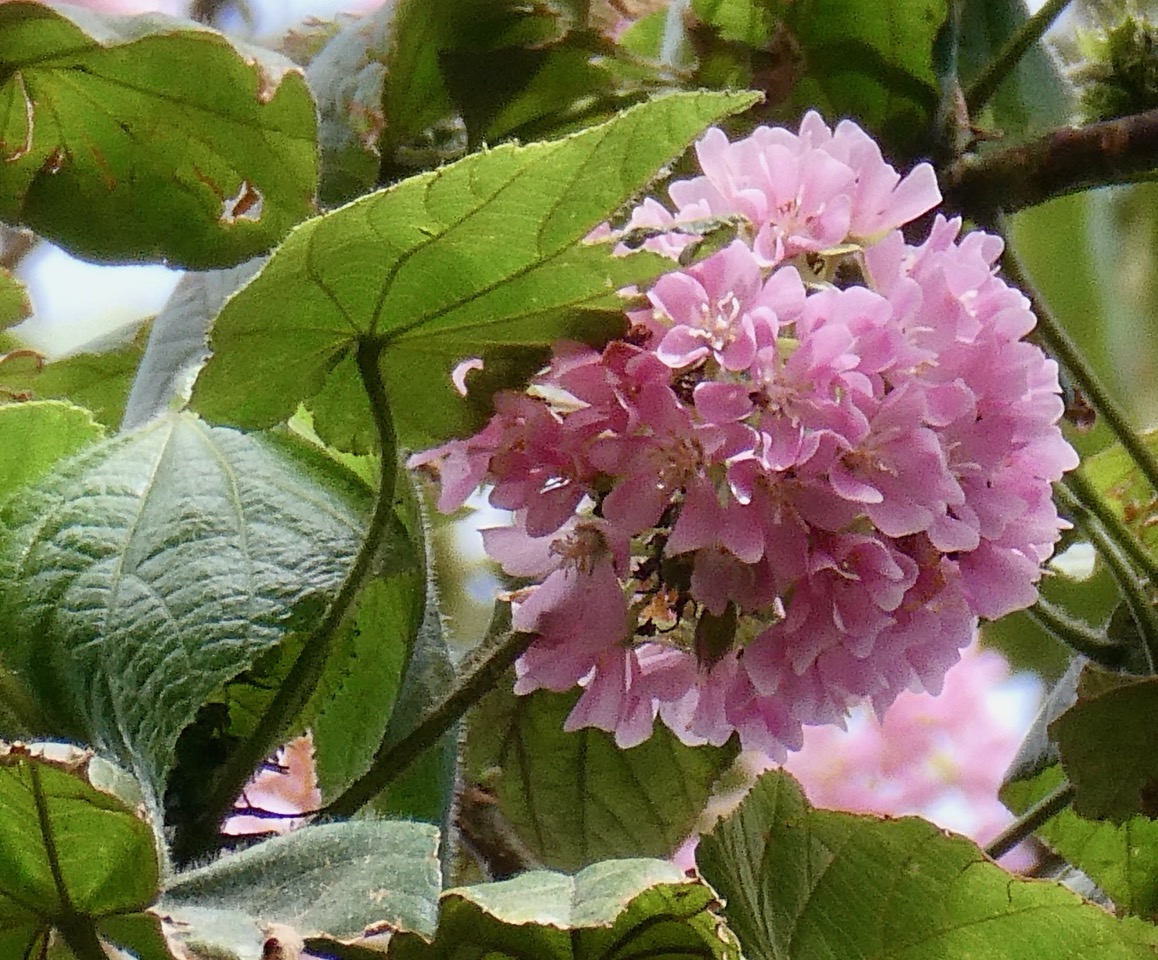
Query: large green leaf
x,y
1122,859
75,858
328,882
35,435
360,692
426,790
147,138
574,798
483,258
143,574
1034,97
613,910
800,882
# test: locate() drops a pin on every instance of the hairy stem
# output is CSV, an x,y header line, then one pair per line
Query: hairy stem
x,y
1008,57
1054,338
1136,594
1073,632
1023,827
393,758
1064,161
299,685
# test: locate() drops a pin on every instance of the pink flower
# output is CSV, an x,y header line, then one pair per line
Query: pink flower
x,y
806,192
819,458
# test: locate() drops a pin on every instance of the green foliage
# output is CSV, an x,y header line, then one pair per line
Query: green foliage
x,y
829,56
79,864
331,882
1034,96
14,302
176,342
158,589
34,436
799,882
99,380
413,85
574,798
153,568
115,129
1122,859
1117,783
612,911
1121,76
484,258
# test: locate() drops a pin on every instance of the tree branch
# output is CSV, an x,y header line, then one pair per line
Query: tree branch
x,y
1065,161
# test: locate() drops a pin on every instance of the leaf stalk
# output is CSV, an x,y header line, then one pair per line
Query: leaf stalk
x,y
1036,816
302,680
393,758
1135,592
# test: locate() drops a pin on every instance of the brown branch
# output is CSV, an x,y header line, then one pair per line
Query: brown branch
x,y
1064,161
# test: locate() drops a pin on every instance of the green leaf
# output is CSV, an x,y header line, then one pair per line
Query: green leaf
x,y
1117,478
827,55
147,138
1109,746
1122,859
612,910
75,857
358,695
176,346
35,435
1034,97
98,380
483,258
426,790
574,798
330,881
14,302
140,576
800,882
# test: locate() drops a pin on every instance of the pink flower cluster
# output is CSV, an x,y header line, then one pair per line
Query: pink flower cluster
x,y
816,459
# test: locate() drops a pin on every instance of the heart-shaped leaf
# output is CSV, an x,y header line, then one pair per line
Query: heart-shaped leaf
x,y
328,882
141,575
79,864
574,798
